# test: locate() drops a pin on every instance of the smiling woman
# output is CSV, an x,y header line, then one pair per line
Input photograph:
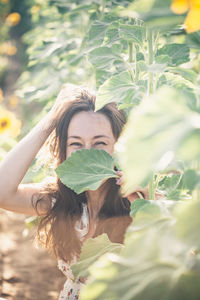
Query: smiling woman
x,y
87,130
68,219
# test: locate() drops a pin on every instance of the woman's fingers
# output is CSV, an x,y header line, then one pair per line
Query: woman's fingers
x,y
67,94
138,192
119,180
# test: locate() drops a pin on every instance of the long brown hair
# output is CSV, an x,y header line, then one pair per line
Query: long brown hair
x,y
57,228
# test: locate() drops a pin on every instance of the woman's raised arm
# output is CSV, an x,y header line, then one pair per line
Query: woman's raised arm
x,y
13,195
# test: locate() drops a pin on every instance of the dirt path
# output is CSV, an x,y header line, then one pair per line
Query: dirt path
x,y
26,273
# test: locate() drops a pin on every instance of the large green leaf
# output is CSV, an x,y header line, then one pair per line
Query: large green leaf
x,y
103,57
178,53
164,124
86,169
118,88
188,223
97,33
112,33
92,249
185,73
132,33
155,13
137,205
154,264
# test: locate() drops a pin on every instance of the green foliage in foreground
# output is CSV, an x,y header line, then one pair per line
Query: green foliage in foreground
x,y
165,124
91,251
150,67
157,261
86,169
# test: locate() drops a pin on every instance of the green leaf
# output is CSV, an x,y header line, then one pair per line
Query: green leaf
x,y
103,57
92,249
132,33
190,180
185,87
97,33
193,40
178,53
136,205
118,88
163,59
154,264
188,222
170,182
155,13
112,33
185,73
86,169
163,123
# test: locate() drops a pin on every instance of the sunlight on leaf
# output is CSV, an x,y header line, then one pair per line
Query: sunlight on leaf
x,y
92,249
86,169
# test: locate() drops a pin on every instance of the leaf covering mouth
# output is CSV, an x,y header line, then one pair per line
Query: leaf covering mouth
x,y
86,169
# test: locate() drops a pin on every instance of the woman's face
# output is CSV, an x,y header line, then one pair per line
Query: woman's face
x,y
90,130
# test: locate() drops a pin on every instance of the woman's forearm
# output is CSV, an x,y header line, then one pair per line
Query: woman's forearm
x,y
16,163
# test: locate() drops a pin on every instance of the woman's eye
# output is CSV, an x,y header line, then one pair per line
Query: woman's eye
x,y
100,143
75,144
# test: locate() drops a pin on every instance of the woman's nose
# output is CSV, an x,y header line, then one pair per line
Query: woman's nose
x,y
87,146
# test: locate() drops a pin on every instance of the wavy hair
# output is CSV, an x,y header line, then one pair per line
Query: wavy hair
x,y
56,230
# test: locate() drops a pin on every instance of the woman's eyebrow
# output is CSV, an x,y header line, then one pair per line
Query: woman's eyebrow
x,y
95,137
100,136
74,137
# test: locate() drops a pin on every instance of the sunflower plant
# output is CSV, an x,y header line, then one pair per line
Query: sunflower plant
x,y
138,54
9,124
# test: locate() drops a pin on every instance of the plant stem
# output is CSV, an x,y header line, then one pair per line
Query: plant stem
x,y
196,192
152,189
149,92
136,66
130,52
150,60
130,59
103,5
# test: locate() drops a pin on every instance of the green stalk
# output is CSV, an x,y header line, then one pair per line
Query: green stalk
x,y
150,60
130,59
130,52
152,189
196,192
136,66
149,92
103,5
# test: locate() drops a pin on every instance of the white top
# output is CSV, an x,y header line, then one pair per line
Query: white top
x,y
71,287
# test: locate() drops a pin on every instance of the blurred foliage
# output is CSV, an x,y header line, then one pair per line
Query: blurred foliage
x,y
138,54
159,260
13,22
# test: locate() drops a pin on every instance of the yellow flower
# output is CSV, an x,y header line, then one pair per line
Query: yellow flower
x,y
13,19
4,1
192,21
1,95
13,101
180,6
9,124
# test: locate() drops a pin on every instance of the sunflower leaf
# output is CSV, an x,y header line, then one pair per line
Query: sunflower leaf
x,y
86,169
91,251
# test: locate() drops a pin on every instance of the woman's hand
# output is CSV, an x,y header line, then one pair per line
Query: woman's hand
x,y
66,95
139,192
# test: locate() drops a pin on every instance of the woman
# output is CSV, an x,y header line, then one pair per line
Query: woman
x,y
68,219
